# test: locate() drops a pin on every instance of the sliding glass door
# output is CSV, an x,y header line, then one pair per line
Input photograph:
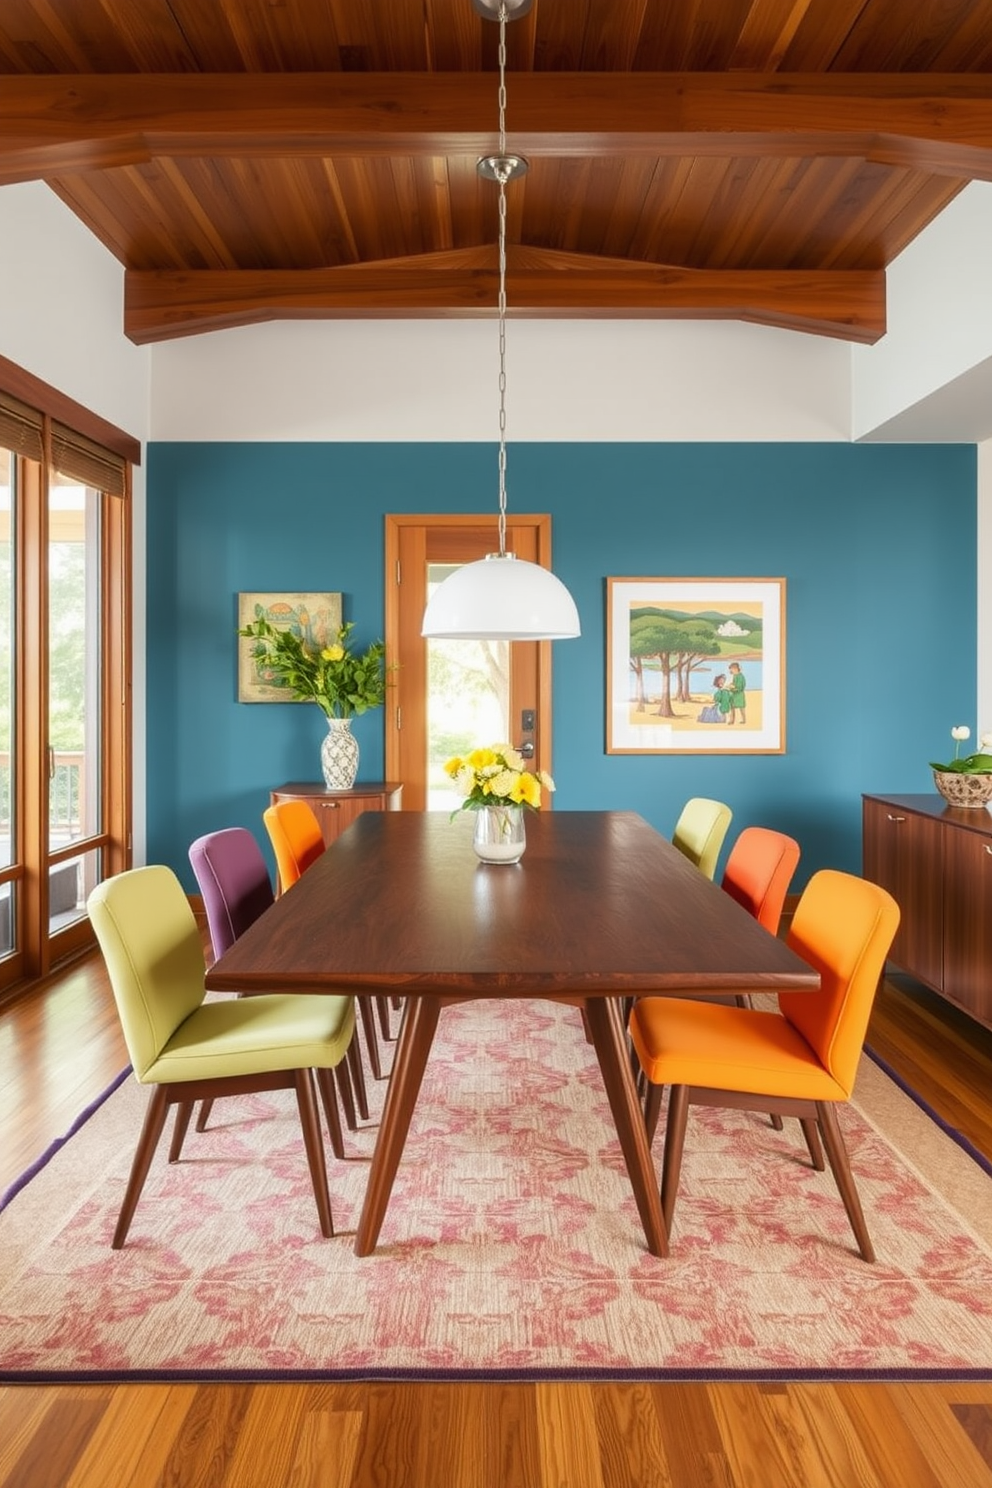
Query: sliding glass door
x,y
64,695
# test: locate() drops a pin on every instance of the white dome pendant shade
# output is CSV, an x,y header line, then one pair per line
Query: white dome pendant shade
x,y
501,598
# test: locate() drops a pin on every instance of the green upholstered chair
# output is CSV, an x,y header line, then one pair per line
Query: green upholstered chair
x,y
188,1049
700,830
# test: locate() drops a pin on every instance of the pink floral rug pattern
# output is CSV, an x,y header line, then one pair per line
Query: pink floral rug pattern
x,y
511,1245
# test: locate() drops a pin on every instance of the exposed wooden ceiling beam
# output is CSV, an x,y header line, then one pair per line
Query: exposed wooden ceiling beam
x,y
162,305
49,125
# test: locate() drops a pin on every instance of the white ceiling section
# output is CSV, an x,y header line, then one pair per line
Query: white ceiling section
x,y
929,379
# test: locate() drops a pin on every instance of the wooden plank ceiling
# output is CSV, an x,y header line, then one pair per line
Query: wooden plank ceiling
x,y
251,160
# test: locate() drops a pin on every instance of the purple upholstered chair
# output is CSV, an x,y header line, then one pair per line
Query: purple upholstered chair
x,y
234,881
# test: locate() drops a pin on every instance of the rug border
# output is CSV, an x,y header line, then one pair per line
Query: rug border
x,y
40,1163
497,1376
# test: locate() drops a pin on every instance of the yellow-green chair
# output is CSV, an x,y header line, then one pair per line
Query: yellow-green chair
x,y
190,1050
700,830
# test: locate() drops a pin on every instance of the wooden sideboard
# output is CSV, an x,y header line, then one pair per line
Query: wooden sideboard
x,y
936,862
336,810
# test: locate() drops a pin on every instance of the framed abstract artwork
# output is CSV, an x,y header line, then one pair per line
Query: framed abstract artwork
x,y
695,666
315,617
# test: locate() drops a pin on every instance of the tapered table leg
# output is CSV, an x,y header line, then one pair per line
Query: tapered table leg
x,y
420,1017
603,1019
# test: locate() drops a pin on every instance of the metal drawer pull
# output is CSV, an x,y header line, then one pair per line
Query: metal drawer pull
x,y
330,805
895,818
987,848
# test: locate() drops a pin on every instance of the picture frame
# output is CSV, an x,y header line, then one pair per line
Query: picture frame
x,y
695,666
317,617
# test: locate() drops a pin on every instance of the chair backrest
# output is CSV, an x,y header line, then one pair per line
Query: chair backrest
x,y
154,955
234,881
759,871
296,838
844,926
700,830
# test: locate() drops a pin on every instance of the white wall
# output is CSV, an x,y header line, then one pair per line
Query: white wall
x,y
930,376
566,380
61,308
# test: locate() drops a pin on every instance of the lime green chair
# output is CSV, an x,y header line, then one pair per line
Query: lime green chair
x,y
189,1049
700,830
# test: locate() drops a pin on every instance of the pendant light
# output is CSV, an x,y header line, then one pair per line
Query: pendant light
x,y
501,597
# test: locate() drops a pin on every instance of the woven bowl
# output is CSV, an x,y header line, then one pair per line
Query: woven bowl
x,y
963,790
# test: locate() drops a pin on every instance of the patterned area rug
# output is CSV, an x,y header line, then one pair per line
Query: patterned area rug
x,y
511,1247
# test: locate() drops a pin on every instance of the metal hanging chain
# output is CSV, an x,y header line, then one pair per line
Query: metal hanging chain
x,y
502,176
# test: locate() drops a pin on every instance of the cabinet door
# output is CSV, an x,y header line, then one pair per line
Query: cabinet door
x,y
904,853
968,922
335,816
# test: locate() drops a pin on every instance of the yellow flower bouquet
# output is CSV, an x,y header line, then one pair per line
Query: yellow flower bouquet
x,y
495,776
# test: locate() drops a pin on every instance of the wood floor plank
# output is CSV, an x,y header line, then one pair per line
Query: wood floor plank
x,y
949,1451
134,1434
892,1444
204,1445
266,1446
23,1410
569,1445
327,1449
631,1446
58,1442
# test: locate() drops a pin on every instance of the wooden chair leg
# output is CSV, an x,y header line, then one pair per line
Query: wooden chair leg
x,y
812,1134
840,1166
151,1130
678,1111
314,1144
325,1084
343,1081
184,1111
354,1058
367,1014
652,1108
205,1108
382,1008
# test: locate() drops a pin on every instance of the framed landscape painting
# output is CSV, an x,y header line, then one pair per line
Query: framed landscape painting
x,y
316,618
695,666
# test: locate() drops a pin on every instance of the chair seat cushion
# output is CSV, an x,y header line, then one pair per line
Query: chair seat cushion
x,y
256,1035
682,1042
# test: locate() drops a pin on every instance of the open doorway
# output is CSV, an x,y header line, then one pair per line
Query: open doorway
x,y
450,696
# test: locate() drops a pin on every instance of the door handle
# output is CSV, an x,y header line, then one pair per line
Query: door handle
x,y
526,749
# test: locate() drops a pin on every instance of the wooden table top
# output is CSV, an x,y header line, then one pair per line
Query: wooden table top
x,y
601,904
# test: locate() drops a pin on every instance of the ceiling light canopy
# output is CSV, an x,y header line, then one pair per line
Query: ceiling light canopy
x,y
501,597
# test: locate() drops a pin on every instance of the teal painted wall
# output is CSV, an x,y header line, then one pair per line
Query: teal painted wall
x,y
877,544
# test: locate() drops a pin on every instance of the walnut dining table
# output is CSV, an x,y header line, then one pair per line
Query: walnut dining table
x,y
600,907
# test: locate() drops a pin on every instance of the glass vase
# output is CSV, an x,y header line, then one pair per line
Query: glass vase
x,y
500,834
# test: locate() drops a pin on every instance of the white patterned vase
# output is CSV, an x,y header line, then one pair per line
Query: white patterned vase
x,y
500,835
339,755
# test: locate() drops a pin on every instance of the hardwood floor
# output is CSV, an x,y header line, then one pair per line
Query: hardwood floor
x,y
61,1047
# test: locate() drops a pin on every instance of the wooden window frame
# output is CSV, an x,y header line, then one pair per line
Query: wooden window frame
x,y
38,951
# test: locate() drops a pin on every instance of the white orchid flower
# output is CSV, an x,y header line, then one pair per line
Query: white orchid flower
x,y
961,731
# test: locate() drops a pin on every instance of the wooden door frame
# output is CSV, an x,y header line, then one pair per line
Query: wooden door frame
x,y
540,525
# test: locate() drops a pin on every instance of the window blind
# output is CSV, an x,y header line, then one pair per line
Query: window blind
x,y
21,428
84,460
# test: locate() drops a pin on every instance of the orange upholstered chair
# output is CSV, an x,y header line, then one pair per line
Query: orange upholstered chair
x,y
298,842
801,1060
758,874
759,871
296,838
